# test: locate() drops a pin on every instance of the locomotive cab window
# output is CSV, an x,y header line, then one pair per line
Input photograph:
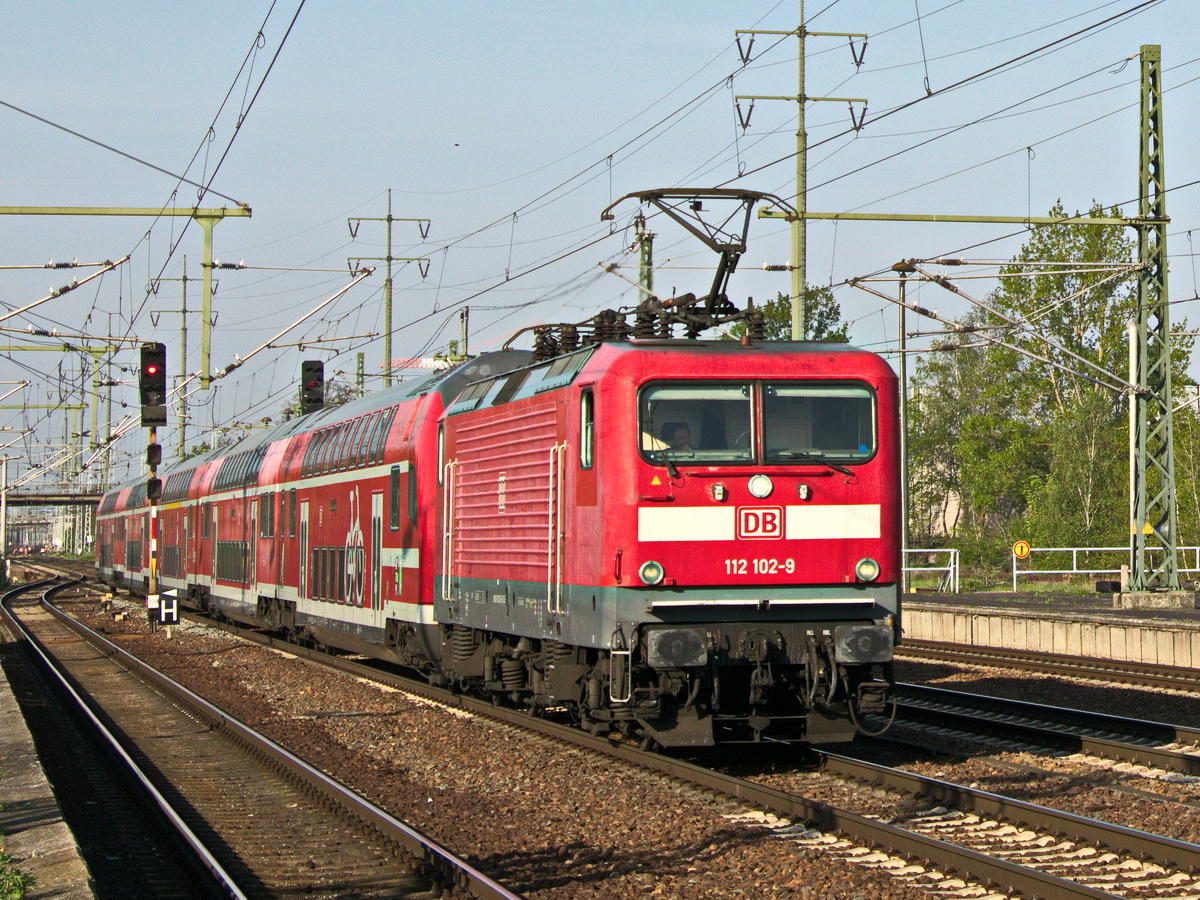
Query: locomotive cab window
x,y
697,423
779,423
821,421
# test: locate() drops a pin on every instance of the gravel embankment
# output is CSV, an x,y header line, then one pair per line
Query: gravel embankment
x,y
549,820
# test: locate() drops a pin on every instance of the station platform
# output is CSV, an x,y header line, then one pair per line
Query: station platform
x,y
1077,625
34,833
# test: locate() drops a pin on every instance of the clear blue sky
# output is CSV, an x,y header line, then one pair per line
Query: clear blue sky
x,y
510,127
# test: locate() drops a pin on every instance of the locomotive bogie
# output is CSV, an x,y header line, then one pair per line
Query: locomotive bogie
x,y
687,542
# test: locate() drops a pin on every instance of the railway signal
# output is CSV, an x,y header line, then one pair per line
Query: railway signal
x,y
152,384
312,386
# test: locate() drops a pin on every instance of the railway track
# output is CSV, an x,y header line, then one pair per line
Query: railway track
x,y
983,839
1077,856
1137,741
1120,671
1022,848
257,820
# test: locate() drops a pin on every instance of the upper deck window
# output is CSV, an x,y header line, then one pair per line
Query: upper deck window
x,y
772,423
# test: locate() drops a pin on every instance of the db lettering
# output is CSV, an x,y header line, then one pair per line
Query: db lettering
x,y
760,522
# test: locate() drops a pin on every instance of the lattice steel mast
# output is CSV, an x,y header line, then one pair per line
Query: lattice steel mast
x,y
1151,444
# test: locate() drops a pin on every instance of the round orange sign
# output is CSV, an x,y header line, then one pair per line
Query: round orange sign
x,y
1021,549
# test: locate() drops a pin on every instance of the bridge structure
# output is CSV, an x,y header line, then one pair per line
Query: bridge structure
x,y
60,498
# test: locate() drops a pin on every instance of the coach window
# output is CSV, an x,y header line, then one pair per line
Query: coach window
x,y
379,441
319,451
364,441
587,426
311,454
341,575
364,448
346,455
366,451
335,444
360,431
327,451
292,513
412,493
394,500
337,459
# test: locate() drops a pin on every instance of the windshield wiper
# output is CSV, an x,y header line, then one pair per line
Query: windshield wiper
x,y
812,457
671,470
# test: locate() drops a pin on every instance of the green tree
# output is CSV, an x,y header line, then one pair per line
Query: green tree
x,y
823,318
1019,448
337,393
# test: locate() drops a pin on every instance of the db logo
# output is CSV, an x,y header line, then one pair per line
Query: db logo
x,y
760,522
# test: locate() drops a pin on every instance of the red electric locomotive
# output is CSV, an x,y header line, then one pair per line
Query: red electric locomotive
x,y
689,542
693,541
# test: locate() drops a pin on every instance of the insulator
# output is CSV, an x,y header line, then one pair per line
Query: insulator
x,y
568,339
756,325
621,328
643,324
665,328
544,345
605,322
512,674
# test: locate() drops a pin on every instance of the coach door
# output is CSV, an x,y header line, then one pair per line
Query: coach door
x,y
250,583
377,556
303,582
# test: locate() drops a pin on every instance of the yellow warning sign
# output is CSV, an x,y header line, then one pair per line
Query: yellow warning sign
x,y
1021,549
655,480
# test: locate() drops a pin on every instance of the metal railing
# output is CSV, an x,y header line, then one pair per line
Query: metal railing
x,y
948,583
1077,552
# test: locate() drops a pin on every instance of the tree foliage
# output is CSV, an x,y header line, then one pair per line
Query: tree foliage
x,y
337,393
1004,446
823,318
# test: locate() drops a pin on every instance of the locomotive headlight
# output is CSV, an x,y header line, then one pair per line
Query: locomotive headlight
x,y
866,569
651,572
760,486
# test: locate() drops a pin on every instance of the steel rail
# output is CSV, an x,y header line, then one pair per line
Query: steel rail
x,y
1074,725
862,829
1118,838
1125,672
205,857
447,867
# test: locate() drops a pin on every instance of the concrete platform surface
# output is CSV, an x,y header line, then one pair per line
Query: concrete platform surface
x,y
31,823
1078,625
